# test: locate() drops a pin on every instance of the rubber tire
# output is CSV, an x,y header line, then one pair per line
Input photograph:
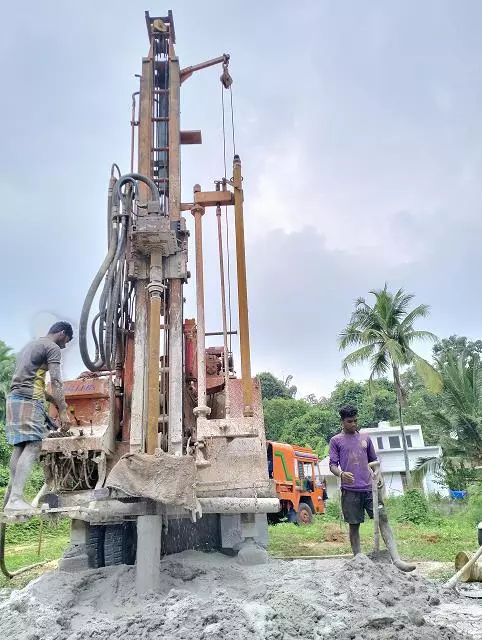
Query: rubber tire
x,y
120,544
479,535
95,545
304,510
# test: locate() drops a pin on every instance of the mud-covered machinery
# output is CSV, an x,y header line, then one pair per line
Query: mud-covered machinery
x,y
152,385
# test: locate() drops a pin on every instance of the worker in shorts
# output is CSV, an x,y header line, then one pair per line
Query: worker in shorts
x,y
26,416
354,461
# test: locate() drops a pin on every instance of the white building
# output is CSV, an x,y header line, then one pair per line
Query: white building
x,y
388,446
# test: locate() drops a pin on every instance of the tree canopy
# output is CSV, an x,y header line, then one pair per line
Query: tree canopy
x,y
383,335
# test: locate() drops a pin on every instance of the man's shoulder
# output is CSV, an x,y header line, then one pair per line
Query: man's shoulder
x,y
46,346
336,438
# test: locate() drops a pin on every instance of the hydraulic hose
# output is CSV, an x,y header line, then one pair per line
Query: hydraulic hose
x,y
112,271
3,567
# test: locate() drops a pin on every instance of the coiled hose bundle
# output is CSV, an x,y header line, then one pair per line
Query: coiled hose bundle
x,y
114,295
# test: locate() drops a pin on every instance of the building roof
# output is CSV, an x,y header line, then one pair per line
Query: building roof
x,y
390,429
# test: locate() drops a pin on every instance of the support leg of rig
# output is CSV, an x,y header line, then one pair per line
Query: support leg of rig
x,y
76,558
250,552
148,562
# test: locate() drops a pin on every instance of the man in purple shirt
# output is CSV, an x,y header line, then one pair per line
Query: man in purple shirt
x,y
354,461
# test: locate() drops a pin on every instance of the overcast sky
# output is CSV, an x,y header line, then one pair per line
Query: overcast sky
x,y
359,126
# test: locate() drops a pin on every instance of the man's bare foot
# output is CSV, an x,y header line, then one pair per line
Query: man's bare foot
x,y
18,505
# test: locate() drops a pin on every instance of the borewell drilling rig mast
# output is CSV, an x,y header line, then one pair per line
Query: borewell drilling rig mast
x,y
152,386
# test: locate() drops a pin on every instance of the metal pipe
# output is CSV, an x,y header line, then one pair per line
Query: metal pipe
x,y
188,71
239,505
202,409
175,338
133,125
220,333
155,288
227,408
242,289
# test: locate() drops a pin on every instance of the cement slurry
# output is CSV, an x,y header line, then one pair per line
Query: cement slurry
x,y
208,596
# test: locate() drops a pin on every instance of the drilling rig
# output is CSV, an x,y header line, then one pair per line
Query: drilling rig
x,y
152,387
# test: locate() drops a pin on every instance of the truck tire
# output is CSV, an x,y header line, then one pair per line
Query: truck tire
x,y
120,544
479,534
95,546
304,515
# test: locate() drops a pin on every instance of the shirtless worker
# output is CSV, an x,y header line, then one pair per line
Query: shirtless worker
x,y
354,461
25,425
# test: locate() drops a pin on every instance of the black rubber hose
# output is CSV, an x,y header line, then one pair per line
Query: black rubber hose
x,y
111,269
3,567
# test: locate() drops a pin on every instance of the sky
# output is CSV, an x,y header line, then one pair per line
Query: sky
x,y
358,124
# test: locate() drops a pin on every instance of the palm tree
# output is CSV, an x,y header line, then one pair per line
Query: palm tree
x,y
7,363
384,334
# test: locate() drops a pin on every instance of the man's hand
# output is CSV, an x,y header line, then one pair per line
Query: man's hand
x,y
375,471
65,420
346,476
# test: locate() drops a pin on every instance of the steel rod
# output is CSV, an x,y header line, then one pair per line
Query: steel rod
x,y
227,409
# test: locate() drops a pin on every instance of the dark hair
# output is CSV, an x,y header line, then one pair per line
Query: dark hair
x,y
66,327
347,411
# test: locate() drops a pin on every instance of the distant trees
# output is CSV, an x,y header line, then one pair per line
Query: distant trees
x,y
272,387
311,422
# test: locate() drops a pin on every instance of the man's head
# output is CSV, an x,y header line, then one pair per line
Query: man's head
x,y
61,333
349,418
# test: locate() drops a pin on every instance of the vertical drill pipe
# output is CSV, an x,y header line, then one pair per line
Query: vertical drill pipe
x,y
137,437
153,397
133,126
176,378
223,311
242,290
198,213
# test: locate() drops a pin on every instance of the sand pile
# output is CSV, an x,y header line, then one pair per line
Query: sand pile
x,y
209,596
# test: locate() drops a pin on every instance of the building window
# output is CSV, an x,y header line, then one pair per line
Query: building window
x,y
409,441
380,442
394,442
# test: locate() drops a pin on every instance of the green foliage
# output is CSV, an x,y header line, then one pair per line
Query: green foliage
x,y
434,540
474,509
7,364
4,476
278,412
272,387
414,507
456,475
332,510
5,448
457,347
461,410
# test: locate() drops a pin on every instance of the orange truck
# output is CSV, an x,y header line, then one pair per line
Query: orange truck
x,y
299,485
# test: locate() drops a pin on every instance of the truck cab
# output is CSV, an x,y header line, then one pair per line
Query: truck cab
x,y
300,486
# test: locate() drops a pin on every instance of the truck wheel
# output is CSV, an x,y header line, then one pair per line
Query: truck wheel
x,y
304,515
95,546
120,542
